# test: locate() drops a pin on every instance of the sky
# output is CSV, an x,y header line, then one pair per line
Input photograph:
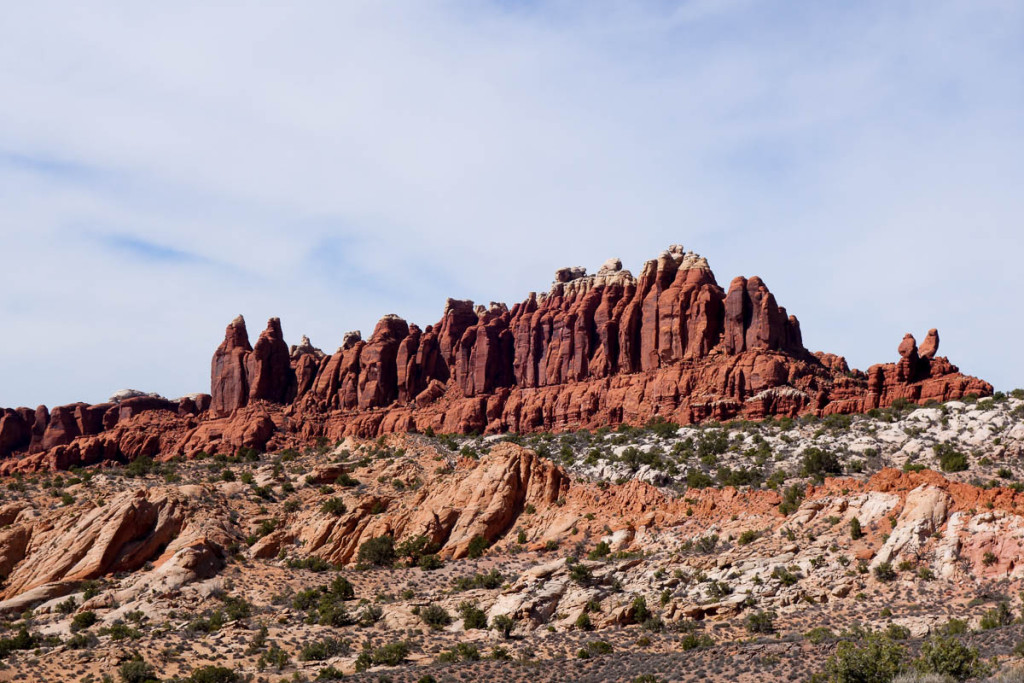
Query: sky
x,y
167,166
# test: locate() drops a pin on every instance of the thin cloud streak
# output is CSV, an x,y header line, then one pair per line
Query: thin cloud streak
x,y
165,169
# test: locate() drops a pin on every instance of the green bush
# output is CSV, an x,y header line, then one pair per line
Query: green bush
x,y
875,659
583,622
320,650
83,620
214,674
639,610
503,624
391,654
760,622
379,551
136,670
998,616
748,537
477,545
415,548
662,428
950,459
855,531
885,572
472,616
791,498
430,562
140,467
816,463
435,616
580,573
490,580
947,656
695,641
334,506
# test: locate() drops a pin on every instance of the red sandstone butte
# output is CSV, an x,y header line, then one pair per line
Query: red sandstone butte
x,y
594,350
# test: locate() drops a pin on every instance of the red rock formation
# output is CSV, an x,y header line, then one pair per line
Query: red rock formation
x,y
268,367
594,350
229,382
378,376
930,345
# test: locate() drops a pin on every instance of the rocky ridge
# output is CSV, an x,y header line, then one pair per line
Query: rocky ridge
x,y
601,349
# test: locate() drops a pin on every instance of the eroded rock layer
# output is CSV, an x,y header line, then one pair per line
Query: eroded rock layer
x,y
595,350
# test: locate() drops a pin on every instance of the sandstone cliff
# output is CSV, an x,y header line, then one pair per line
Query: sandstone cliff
x,y
594,350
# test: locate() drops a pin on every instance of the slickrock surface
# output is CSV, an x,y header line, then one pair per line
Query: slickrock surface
x,y
738,551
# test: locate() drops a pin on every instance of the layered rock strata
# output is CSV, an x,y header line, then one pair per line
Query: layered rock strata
x,y
595,350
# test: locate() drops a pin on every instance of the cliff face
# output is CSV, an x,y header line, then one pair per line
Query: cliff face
x,y
595,350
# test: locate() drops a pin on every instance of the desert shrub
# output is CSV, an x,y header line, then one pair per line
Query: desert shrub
x,y
760,622
334,506
83,620
435,616
706,544
503,624
391,654
885,572
137,670
695,479
897,632
320,650
946,655
237,608
583,622
791,498
81,641
430,562
662,428
312,563
477,545
67,606
214,674
370,615
415,548
326,605
998,616
955,627
855,531
490,580
816,463
785,576
580,573
379,551
695,641
873,659
140,467
950,459
639,610
819,634
748,537
122,631
472,616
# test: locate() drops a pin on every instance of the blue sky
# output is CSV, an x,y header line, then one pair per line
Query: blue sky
x,y
162,170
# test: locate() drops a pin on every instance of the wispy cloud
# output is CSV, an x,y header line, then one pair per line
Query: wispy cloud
x,y
148,251
162,171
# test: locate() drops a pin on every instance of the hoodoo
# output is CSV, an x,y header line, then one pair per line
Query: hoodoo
x,y
593,350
